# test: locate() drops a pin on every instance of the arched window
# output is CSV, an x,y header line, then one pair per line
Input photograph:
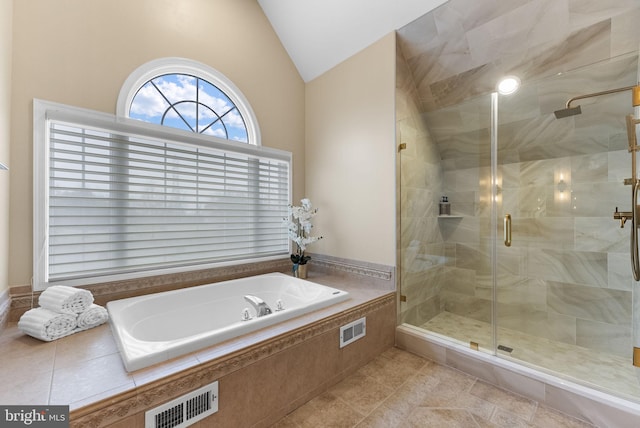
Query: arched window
x,y
191,96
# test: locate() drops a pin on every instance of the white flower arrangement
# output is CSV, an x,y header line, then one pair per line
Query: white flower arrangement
x,y
299,224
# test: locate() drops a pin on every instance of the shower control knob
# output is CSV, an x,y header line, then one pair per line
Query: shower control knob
x,y
623,216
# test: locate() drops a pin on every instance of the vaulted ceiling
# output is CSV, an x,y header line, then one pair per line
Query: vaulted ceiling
x,y
319,34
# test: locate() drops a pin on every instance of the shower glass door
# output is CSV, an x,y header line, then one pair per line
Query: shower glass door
x,y
560,297
445,259
564,288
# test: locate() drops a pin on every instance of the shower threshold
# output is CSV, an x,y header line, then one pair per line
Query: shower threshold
x,y
569,393
599,370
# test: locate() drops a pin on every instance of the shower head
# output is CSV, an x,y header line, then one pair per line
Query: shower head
x,y
572,111
566,112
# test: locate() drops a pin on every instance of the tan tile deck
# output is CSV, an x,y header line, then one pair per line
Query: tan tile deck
x,y
86,367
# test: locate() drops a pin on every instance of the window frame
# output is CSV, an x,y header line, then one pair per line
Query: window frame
x,y
43,111
177,65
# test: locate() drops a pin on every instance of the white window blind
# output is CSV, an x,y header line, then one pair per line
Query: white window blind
x,y
123,202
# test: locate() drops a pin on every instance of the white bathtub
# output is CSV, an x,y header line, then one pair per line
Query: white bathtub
x,y
157,327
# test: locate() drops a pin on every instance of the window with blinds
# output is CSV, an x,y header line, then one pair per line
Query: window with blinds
x,y
121,200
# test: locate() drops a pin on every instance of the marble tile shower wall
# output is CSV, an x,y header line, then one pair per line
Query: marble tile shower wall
x,y
463,47
421,247
567,275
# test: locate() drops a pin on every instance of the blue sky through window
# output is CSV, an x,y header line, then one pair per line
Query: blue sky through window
x,y
189,103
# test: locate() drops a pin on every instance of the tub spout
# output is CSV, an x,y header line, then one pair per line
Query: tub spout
x,y
259,305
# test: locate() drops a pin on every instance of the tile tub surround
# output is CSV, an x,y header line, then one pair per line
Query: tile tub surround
x,y
599,409
86,372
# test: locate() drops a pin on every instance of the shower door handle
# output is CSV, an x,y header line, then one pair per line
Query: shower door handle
x,y
507,230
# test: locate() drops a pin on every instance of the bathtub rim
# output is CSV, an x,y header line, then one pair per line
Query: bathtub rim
x,y
198,342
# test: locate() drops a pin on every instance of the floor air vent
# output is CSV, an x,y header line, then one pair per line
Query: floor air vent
x,y
353,331
185,410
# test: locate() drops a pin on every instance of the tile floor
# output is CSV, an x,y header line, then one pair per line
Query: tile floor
x,y
399,389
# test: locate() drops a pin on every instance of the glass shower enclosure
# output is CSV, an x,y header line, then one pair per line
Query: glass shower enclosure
x,y
530,264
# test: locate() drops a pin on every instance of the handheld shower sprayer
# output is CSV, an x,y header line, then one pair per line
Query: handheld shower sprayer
x,y
634,182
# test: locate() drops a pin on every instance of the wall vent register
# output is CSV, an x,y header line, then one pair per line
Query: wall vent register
x,y
353,331
186,410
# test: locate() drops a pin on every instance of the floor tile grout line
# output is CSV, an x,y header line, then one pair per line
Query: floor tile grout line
x,y
379,404
508,391
53,367
494,406
475,420
373,409
475,382
50,393
395,390
535,411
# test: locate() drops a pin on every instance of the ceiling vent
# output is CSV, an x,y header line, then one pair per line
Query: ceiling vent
x,y
185,410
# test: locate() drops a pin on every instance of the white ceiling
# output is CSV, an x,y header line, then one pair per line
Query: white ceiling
x,y
320,34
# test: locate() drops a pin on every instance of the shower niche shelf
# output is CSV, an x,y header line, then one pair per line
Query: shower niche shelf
x,y
450,216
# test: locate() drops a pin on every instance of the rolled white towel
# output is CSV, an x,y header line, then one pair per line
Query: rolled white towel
x,y
67,300
47,325
92,317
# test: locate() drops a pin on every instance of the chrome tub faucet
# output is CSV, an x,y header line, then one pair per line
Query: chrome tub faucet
x,y
259,305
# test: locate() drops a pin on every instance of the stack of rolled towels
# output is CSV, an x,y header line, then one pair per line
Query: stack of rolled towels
x,y
63,311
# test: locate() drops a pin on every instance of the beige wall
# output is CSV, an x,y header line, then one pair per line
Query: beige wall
x,y
80,52
350,155
6,14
